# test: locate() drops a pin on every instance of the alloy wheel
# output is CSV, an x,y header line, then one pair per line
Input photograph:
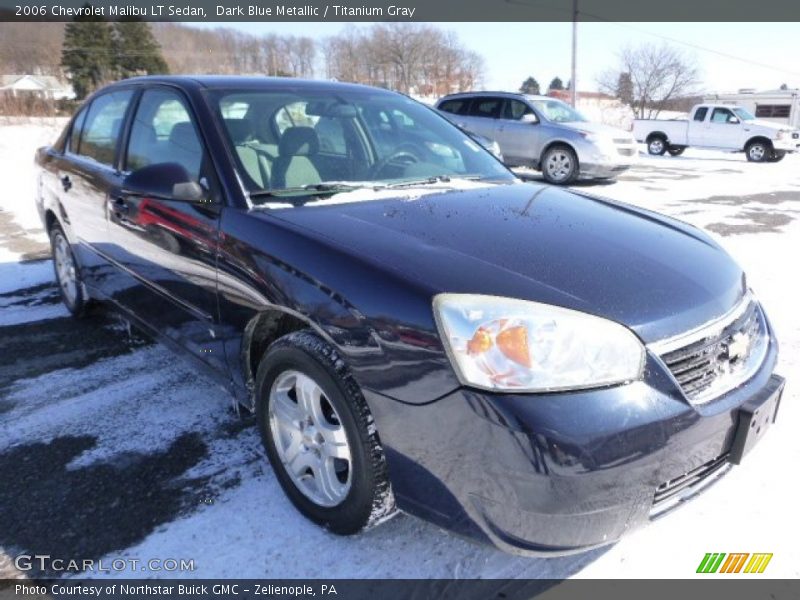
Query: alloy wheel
x,y
559,165
310,439
65,269
757,152
657,146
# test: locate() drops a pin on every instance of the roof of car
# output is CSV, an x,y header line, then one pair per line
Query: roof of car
x,y
246,82
496,93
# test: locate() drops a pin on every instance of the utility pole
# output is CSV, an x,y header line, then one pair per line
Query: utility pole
x,y
573,88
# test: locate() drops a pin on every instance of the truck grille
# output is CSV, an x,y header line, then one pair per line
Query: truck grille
x,y
720,357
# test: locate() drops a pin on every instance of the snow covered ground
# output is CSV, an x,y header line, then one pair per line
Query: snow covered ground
x,y
109,448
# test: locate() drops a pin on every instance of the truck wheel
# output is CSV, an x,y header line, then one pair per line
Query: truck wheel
x,y
776,156
758,151
67,273
560,165
656,145
676,150
320,436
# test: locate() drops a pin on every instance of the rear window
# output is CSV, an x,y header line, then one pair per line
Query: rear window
x,y
486,107
103,125
457,106
700,114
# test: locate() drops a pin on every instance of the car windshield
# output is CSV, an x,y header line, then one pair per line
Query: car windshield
x,y
293,143
743,114
558,111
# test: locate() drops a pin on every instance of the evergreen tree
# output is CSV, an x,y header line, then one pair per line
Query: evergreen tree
x,y
556,84
625,88
136,51
87,54
530,86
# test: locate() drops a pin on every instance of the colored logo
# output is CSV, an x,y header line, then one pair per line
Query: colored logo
x,y
741,562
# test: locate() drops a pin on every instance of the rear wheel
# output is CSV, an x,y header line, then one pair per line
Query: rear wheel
x,y
67,273
676,150
758,151
560,165
320,436
656,145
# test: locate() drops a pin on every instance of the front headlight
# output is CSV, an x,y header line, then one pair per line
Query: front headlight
x,y
505,344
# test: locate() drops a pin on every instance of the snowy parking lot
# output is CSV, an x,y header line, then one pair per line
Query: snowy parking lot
x,y
110,448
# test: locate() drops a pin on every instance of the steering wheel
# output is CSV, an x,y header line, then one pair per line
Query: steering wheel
x,y
402,155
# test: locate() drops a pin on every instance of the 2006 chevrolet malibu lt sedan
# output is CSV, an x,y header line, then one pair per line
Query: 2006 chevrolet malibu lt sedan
x,y
414,327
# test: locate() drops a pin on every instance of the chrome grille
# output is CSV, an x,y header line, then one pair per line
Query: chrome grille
x,y
720,357
681,488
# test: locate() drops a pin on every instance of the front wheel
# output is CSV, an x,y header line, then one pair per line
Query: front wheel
x,y
758,151
560,165
67,273
319,435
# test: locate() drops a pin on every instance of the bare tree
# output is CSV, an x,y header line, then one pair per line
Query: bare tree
x,y
658,74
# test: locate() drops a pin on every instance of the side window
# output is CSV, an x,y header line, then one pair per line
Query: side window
x,y
721,115
331,136
102,126
486,107
514,110
163,131
77,128
700,113
457,106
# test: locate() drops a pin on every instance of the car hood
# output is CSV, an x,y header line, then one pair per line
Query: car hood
x,y
658,276
600,129
770,125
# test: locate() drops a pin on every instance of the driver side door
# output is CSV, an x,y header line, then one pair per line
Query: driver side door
x,y
166,248
722,130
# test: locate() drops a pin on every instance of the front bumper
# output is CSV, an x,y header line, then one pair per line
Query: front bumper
x,y
787,143
555,473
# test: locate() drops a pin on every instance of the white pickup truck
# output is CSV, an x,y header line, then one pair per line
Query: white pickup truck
x,y
722,127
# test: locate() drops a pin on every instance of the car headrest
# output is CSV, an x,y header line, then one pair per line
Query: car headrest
x,y
183,136
298,141
240,130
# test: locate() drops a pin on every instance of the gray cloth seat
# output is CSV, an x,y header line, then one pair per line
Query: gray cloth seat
x,y
294,166
256,162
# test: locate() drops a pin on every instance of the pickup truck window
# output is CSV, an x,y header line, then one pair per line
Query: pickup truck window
x,y
103,125
743,114
700,113
722,115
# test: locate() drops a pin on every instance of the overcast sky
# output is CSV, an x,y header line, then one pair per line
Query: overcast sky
x,y
513,51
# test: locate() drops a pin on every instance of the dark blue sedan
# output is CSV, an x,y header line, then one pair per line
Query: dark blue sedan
x,y
414,327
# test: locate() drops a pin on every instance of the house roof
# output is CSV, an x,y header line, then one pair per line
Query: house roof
x,y
45,82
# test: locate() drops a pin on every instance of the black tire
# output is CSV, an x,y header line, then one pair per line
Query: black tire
x,y
657,145
676,150
776,156
76,302
758,151
566,157
369,499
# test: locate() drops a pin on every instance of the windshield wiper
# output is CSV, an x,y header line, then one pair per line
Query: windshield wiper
x,y
313,189
434,179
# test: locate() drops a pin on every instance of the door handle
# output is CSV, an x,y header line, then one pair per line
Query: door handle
x,y
66,183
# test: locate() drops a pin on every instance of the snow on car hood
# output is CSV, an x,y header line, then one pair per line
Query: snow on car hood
x,y
600,129
657,275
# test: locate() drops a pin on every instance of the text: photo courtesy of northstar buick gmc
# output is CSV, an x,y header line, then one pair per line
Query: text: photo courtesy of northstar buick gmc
x,y
414,327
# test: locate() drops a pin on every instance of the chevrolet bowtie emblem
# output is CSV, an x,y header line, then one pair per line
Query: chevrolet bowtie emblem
x,y
738,346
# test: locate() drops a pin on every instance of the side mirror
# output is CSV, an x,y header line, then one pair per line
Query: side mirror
x,y
528,118
733,121
164,180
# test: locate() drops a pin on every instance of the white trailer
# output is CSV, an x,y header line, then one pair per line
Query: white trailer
x,y
778,106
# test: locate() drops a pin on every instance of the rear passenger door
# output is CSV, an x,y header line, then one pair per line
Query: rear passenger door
x,y
166,249
483,114
87,172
